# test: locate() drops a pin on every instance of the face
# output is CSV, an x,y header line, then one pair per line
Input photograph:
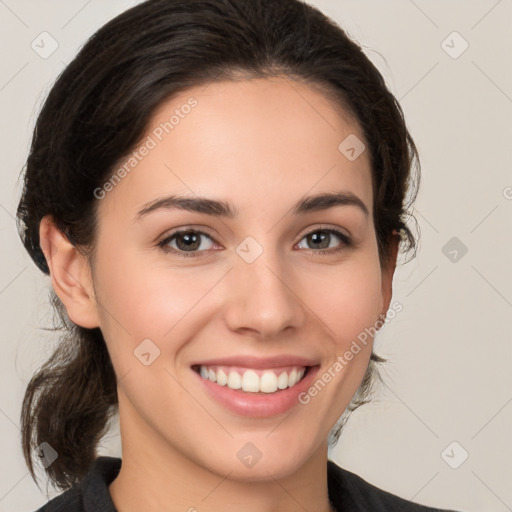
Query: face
x,y
272,289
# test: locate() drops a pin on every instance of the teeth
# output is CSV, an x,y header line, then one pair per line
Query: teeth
x,y
282,381
250,381
234,380
222,378
268,382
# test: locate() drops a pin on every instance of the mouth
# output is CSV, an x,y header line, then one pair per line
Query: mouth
x,y
256,391
253,380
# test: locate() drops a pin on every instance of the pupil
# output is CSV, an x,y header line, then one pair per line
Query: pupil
x,y
190,240
322,236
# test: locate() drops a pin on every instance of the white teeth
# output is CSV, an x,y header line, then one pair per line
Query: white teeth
x,y
234,380
282,381
222,378
268,382
250,381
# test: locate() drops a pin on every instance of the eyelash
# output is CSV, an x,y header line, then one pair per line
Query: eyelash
x,y
346,242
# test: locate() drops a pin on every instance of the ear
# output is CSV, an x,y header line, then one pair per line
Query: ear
x,y
70,275
389,271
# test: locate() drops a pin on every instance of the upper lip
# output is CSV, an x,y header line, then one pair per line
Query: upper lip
x,y
259,362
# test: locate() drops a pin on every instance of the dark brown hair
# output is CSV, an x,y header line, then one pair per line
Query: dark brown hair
x,y
100,107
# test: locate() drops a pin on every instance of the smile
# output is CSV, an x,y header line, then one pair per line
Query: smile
x,y
257,387
251,380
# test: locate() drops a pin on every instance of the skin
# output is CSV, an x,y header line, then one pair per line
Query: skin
x,y
261,145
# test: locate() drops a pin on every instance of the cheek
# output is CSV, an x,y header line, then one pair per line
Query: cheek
x,y
141,300
348,305
141,303
349,300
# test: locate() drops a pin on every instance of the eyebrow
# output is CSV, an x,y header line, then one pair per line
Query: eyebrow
x,y
223,209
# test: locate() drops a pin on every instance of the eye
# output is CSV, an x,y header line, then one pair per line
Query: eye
x,y
322,238
187,242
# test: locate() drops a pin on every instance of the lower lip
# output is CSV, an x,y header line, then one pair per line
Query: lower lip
x,y
258,405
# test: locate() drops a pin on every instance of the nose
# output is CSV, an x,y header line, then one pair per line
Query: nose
x,y
265,297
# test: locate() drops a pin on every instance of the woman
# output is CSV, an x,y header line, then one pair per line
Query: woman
x,y
183,169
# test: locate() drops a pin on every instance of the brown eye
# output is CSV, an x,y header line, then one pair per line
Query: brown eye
x,y
321,239
187,242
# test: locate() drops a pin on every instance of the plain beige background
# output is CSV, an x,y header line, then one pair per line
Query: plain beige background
x,y
448,386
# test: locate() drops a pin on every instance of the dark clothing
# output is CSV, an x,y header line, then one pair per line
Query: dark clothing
x,y
347,492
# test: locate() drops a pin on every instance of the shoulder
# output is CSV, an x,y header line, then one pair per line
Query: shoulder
x,y
68,501
92,493
348,491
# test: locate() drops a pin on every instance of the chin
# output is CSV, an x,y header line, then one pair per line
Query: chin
x,y
260,459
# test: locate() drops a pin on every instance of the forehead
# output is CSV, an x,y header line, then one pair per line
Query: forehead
x,y
249,141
